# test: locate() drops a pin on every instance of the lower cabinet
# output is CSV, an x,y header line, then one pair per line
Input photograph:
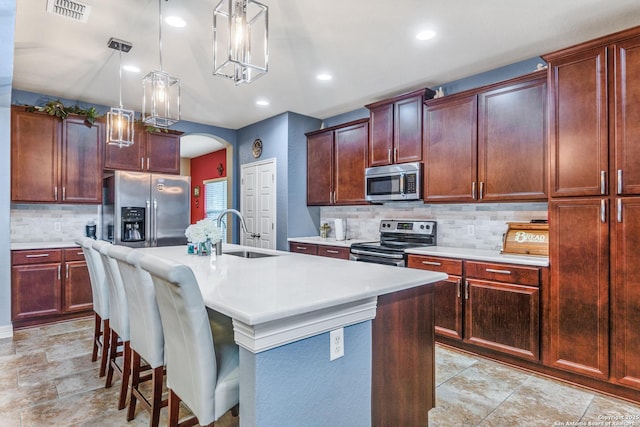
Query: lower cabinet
x,y
339,252
494,306
48,285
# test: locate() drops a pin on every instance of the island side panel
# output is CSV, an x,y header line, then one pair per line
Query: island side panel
x,y
296,384
403,376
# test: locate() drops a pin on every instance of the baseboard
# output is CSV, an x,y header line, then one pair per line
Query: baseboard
x,y
6,331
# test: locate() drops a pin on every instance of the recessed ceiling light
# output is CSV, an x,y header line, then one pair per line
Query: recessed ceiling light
x,y
175,21
426,35
262,102
324,76
131,68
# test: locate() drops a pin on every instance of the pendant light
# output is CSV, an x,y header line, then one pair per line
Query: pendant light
x,y
161,100
119,120
240,40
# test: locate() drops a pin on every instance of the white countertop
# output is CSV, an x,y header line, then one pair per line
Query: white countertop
x,y
260,290
15,246
329,241
480,255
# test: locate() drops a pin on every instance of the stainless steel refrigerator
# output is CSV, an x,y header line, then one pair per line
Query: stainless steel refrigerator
x,y
142,209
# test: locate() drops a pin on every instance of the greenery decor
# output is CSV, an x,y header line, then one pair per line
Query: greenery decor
x,y
57,108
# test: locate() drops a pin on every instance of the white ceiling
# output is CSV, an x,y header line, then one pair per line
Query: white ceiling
x,y
368,46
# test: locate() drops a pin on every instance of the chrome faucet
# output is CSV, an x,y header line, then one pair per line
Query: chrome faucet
x,y
233,211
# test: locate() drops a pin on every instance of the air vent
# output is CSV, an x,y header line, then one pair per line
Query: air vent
x,y
71,9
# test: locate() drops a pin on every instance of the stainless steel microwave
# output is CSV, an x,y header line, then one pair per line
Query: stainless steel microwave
x,y
394,182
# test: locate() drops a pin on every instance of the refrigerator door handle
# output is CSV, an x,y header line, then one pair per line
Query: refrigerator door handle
x,y
155,222
147,219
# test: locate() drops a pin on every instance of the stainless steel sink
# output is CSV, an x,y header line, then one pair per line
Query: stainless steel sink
x,y
249,254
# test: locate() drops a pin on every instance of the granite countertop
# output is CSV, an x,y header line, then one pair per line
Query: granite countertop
x,y
329,241
17,246
480,255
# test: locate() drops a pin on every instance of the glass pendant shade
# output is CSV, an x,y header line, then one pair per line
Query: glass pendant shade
x,y
240,40
120,127
161,100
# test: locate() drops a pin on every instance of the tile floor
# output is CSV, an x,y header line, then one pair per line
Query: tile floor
x,y
48,379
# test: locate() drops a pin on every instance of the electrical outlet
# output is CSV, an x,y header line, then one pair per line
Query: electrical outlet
x,y
336,344
56,226
471,230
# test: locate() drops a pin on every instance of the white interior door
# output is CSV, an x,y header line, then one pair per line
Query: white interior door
x,y
258,203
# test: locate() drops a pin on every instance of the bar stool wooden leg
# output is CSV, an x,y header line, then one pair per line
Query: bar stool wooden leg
x,y
135,381
126,374
156,402
106,334
113,354
96,336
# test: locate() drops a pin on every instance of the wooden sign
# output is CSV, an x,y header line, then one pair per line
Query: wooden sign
x,y
525,238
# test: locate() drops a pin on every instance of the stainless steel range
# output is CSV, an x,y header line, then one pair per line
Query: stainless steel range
x,y
395,237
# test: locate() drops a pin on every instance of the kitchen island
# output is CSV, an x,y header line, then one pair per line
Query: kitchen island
x,y
283,307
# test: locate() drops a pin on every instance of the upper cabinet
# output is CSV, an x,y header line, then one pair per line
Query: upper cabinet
x,y
488,144
396,129
53,160
151,152
336,161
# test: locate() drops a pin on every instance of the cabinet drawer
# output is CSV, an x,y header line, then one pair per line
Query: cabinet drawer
x,y
444,265
303,248
333,251
73,254
39,256
503,273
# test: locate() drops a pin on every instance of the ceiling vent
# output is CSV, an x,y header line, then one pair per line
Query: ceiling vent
x,y
71,9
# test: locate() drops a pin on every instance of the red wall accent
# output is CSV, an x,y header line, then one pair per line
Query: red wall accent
x,y
204,168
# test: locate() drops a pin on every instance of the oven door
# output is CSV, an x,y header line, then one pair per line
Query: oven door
x,y
395,260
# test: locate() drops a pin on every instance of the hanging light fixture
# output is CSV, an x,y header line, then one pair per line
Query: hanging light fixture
x,y
119,120
240,40
161,100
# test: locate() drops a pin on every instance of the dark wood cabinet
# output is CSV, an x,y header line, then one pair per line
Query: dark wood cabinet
x,y
512,140
77,289
489,144
336,161
48,285
579,294
53,160
489,305
503,308
396,129
449,305
579,132
329,251
303,248
151,152
450,149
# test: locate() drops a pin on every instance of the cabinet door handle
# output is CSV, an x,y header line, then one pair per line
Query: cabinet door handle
x,y
603,185
492,270
332,251
466,289
619,203
66,274
58,271
147,163
395,155
459,286
619,181
473,190
389,155
481,189
603,212
80,253
141,163
301,248
438,264
55,193
37,256
64,193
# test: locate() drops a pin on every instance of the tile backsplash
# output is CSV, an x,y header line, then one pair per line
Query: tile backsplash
x,y
476,226
51,222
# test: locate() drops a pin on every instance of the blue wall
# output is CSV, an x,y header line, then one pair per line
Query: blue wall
x,y
7,24
297,385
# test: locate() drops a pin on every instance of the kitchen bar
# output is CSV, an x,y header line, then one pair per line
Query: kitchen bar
x,y
283,307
